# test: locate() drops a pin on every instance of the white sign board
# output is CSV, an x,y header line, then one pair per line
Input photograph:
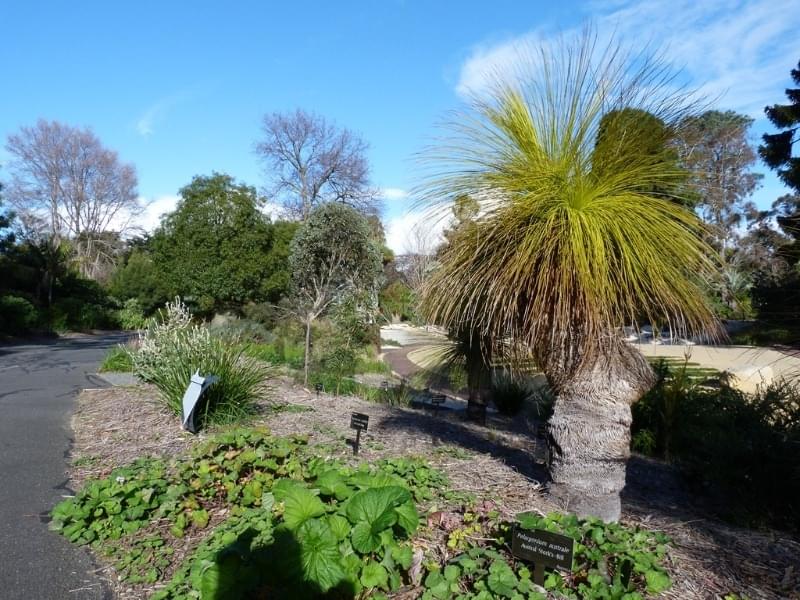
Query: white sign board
x,y
197,385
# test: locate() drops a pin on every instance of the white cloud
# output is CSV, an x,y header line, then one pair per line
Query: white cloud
x,y
393,194
154,210
737,51
414,232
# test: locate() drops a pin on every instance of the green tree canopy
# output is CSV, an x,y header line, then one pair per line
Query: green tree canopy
x,y
334,255
777,148
218,249
6,218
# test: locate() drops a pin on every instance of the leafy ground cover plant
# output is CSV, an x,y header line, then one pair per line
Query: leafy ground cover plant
x,y
267,516
171,349
610,561
324,528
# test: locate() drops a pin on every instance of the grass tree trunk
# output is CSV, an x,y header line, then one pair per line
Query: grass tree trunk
x,y
590,432
477,361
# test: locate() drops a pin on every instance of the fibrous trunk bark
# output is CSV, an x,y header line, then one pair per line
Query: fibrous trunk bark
x,y
478,368
589,432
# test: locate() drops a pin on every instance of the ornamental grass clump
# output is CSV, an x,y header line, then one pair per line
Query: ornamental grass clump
x,y
173,348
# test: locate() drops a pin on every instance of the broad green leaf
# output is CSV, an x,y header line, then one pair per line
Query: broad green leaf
x,y
331,483
363,539
408,517
319,554
339,526
374,575
403,555
299,503
502,580
657,581
376,506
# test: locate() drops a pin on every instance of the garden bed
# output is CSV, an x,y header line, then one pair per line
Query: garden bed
x,y
496,464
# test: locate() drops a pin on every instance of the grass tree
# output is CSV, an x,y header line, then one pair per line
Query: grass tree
x,y
563,253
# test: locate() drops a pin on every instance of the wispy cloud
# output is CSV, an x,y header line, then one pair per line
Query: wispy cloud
x,y
737,51
157,112
393,194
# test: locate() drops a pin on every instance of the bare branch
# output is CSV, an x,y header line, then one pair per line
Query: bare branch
x,y
309,162
65,181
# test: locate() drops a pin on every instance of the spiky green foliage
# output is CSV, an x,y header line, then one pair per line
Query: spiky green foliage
x,y
562,252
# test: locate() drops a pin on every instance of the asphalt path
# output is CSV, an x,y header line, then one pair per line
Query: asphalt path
x,y
38,385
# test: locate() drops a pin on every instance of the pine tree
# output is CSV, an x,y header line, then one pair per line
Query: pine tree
x,y
777,148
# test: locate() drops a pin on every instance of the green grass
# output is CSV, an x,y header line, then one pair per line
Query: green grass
x,y
277,353
371,365
694,371
117,360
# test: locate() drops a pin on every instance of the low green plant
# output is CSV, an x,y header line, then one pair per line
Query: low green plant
x,y
371,365
610,561
118,360
277,520
508,394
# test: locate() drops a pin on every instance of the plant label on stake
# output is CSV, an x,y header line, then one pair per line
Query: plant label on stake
x,y
359,422
543,549
197,385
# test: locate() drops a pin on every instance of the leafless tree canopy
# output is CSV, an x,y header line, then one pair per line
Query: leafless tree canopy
x,y
309,162
76,190
416,264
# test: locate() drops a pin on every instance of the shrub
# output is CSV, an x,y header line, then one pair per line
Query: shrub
x,y
17,315
172,350
743,449
131,315
74,314
242,330
279,352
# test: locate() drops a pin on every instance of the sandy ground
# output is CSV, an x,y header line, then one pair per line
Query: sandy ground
x,y
751,365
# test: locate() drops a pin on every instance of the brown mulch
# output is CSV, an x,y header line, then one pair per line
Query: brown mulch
x,y
709,558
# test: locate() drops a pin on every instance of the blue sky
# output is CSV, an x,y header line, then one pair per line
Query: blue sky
x,y
179,88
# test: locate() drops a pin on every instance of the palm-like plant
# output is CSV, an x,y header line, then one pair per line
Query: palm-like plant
x,y
563,253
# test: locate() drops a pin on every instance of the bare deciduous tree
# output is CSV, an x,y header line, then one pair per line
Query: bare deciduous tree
x,y
416,264
65,179
310,161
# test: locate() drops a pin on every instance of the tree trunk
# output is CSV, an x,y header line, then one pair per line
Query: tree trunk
x,y
307,352
478,378
589,432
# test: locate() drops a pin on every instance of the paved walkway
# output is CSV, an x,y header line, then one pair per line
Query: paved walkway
x,y
38,385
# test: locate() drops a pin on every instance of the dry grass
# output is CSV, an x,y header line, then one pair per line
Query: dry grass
x,y
496,463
